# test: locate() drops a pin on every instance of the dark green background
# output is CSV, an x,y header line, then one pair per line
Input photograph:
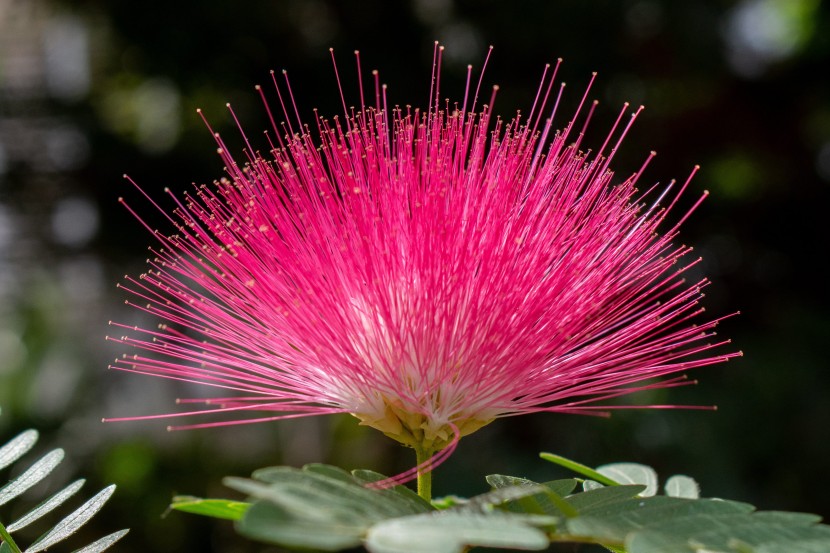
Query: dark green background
x,y
752,107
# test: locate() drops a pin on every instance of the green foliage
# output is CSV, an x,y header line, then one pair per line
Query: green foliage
x,y
215,508
325,508
36,474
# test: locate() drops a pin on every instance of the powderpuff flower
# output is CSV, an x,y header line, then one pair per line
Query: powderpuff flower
x,y
426,271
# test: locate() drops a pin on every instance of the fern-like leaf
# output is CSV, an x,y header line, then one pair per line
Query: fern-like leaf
x,y
17,447
47,506
32,476
71,523
38,472
102,544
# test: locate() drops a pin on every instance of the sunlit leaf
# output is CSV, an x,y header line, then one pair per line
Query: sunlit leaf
x,y
631,473
17,447
73,521
103,544
680,485
216,508
47,506
32,476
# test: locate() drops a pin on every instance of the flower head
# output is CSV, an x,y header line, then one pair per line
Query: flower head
x,y
427,271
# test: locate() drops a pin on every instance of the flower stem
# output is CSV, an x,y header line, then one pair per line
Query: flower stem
x,y
7,538
425,475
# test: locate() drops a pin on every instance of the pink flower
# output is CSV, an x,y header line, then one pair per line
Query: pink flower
x,y
425,271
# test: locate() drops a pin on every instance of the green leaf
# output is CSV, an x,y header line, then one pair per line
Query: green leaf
x,y
559,487
548,501
47,506
630,473
103,544
786,517
451,532
331,471
680,485
415,501
216,508
293,488
586,501
448,502
270,523
17,447
615,521
486,501
319,507
32,476
802,546
721,532
70,524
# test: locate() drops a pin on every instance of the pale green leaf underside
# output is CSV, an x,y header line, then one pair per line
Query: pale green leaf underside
x,y
103,544
13,450
631,473
32,476
47,506
680,485
17,447
73,521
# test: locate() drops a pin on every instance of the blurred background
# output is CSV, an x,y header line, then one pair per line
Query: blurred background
x,y
92,89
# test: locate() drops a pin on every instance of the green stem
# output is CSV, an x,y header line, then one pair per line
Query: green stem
x,y
6,537
579,468
424,476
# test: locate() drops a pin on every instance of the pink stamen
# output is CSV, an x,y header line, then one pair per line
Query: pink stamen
x,y
457,266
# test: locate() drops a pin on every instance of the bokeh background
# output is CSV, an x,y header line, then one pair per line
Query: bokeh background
x,y
91,89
